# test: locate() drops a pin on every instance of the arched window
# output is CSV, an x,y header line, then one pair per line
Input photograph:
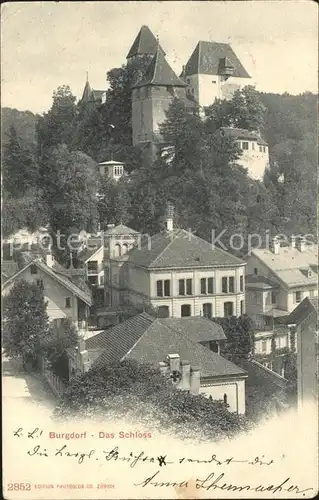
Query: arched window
x,y
125,248
163,311
117,250
185,310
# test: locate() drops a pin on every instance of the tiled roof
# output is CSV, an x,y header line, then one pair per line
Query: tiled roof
x,y
289,264
241,133
88,252
306,307
74,284
198,329
160,73
206,60
145,43
179,248
87,92
150,340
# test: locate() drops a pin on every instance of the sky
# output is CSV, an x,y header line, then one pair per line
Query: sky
x,y
47,44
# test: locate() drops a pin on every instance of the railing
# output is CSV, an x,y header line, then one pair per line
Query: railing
x,y
54,382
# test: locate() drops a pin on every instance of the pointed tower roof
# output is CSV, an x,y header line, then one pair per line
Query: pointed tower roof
x,y
144,43
160,73
87,90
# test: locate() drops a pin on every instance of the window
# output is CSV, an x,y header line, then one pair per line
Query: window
x,y
125,248
298,297
93,280
273,297
206,285
163,288
67,302
244,145
185,287
101,280
33,269
241,283
225,399
117,250
163,311
213,345
207,310
185,310
228,284
263,346
228,309
255,270
92,266
260,149
39,283
242,308
252,145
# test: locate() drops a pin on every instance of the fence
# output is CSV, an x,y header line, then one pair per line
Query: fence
x,y
54,382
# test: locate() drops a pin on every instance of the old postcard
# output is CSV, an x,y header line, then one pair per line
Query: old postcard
x,y
159,250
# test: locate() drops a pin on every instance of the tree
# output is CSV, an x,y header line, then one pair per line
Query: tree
x,y
114,201
58,125
139,390
245,110
239,342
25,321
19,166
69,190
53,346
29,212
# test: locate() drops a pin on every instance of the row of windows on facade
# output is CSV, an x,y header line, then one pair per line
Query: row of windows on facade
x,y
271,297
245,146
207,286
118,170
207,311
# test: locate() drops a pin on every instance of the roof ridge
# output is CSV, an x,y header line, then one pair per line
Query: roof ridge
x,y
139,339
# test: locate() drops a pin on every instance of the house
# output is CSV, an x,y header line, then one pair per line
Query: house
x,y
213,71
179,275
304,321
254,150
112,169
67,295
155,340
277,280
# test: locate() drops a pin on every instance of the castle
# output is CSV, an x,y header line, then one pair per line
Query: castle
x,y
213,71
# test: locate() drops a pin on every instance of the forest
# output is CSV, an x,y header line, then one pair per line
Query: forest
x,y
50,174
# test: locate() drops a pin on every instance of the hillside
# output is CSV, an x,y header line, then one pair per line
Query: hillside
x,y
23,121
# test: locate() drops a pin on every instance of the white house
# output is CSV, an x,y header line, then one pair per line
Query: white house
x,y
254,150
112,169
67,296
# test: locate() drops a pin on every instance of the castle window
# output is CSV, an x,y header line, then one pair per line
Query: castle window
x,y
245,145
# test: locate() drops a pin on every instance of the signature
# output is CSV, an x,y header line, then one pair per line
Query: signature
x,y
216,482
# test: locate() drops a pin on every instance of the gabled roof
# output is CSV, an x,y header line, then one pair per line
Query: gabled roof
x,y
241,133
160,73
179,248
206,60
87,253
8,268
307,306
144,44
289,264
69,283
150,340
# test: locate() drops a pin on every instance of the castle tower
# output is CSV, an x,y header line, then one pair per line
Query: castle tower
x,y
145,44
151,97
213,71
87,92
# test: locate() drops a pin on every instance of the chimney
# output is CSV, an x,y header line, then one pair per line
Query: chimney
x,y
174,362
194,381
170,217
163,367
49,259
275,245
301,244
293,241
186,372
